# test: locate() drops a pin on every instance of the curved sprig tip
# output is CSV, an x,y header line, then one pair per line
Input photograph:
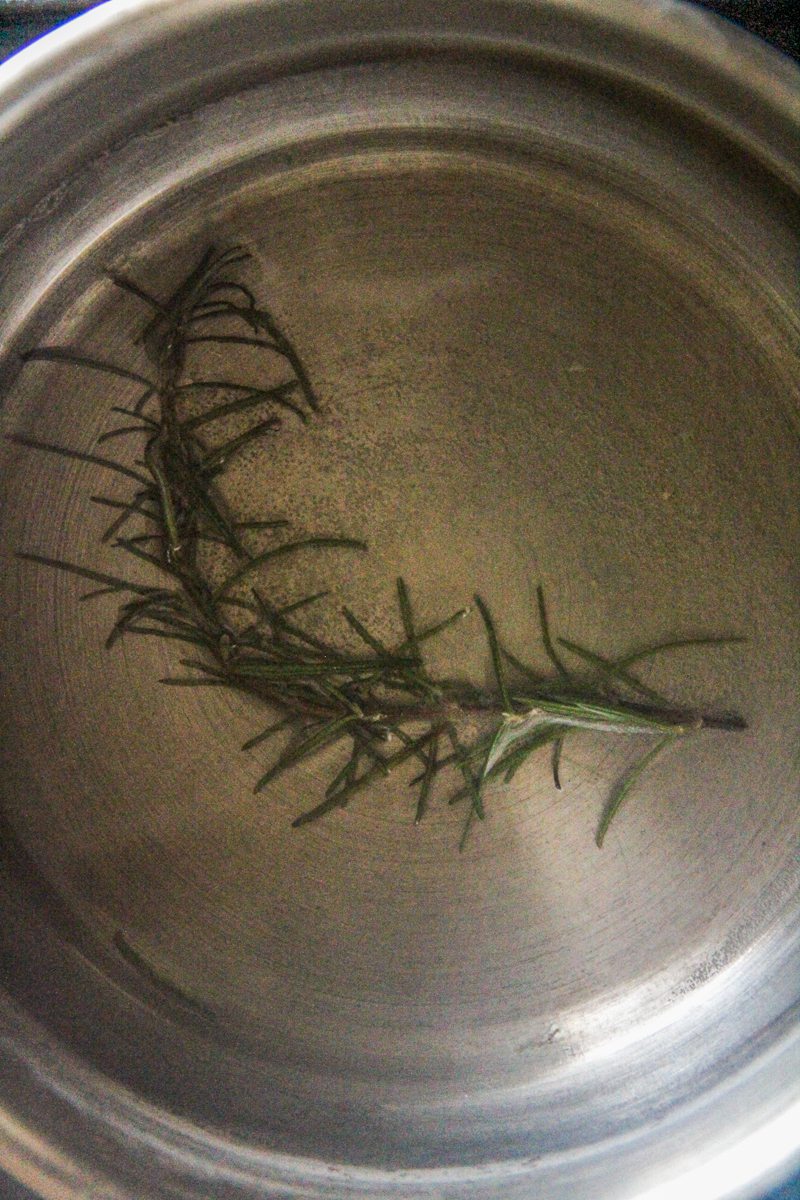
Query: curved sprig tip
x,y
382,703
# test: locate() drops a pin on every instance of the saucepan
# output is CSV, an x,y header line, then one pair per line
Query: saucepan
x,y
536,261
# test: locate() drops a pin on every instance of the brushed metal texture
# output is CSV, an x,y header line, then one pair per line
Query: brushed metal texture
x,y
540,262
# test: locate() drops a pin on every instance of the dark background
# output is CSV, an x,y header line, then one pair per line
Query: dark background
x,y
778,21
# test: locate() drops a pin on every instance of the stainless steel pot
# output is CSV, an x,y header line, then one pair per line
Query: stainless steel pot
x,y
541,260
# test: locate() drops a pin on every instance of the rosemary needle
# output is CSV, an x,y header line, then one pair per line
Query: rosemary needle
x,y
678,644
547,640
407,618
253,398
497,658
287,548
114,582
363,632
614,670
343,795
127,285
63,355
82,456
320,736
276,727
427,781
123,431
555,762
623,788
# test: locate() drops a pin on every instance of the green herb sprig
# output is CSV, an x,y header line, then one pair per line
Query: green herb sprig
x,y
382,703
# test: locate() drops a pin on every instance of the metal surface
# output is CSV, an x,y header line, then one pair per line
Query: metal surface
x,y
541,264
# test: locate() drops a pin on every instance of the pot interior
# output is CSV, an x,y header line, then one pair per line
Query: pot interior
x,y
549,350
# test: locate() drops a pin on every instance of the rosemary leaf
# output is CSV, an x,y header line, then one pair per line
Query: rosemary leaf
x,y
433,631
614,671
231,340
623,788
463,760
122,431
474,753
66,452
221,308
497,658
195,681
392,729
277,727
127,285
132,412
281,625
346,775
427,782
558,746
114,582
229,285
146,395
193,639
677,644
602,718
233,602
366,737
135,507
252,398
318,738
303,602
129,613
62,354
407,618
523,749
363,632
101,591
216,458
262,669
530,675
278,523
467,827
547,640
260,318
159,333
170,620
131,547
278,552
340,799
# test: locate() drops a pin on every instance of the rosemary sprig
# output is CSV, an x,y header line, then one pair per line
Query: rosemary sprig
x,y
318,693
